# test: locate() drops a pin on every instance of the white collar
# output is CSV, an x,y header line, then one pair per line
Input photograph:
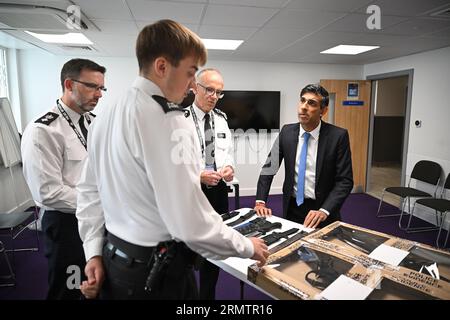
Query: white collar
x,y
147,86
75,116
199,112
314,133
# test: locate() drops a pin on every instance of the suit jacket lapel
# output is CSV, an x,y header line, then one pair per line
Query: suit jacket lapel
x,y
293,141
321,148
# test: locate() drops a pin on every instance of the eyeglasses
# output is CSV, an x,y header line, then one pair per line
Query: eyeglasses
x,y
309,102
210,91
91,85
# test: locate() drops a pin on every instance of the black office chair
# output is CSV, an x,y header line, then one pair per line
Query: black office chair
x,y
9,279
424,171
440,205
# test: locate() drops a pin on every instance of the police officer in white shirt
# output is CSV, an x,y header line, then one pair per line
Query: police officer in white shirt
x,y
53,147
141,182
214,139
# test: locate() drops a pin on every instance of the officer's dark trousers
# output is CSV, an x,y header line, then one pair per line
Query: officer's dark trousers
x,y
125,277
298,213
209,273
63,248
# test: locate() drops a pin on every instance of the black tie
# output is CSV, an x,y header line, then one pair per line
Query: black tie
x,y
209,144
83,128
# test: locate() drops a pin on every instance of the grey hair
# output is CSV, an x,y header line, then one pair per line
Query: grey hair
x,y
201,72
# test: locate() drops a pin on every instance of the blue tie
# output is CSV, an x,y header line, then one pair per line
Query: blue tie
x,y
301,170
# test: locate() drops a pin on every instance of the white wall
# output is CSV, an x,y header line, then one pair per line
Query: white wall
x,y
40,79
40,73
430,104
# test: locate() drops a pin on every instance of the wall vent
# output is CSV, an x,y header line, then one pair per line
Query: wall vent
x,y
77,48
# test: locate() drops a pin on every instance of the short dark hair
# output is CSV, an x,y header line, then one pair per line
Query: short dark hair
x,y
72,69
318,90
168,39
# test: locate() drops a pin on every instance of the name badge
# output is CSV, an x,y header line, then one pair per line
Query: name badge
x,y
221,135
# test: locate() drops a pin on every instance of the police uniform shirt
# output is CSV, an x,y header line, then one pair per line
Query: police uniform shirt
x,y
145,194
52,158
223,144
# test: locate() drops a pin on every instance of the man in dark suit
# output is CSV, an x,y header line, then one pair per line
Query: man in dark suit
x,y
317,162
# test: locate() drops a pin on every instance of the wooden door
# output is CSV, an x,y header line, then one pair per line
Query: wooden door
x,y
352,111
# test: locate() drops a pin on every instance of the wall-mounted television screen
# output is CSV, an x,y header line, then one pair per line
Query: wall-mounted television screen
x,y
249,109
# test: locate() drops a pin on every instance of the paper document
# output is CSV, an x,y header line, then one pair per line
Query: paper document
x,y
387,254
345,288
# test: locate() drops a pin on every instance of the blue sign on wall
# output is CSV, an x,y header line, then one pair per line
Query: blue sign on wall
x,y
352,103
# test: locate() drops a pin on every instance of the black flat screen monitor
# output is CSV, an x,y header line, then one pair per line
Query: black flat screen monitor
x,y
249,109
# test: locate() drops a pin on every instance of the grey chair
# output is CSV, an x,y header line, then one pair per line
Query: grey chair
x,y
9,279
16,223
440,205
423,171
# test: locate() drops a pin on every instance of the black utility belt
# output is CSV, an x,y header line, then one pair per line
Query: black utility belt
x,y
127,250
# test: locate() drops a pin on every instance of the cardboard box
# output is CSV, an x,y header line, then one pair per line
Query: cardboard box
x,y
291,272
362,243
327,265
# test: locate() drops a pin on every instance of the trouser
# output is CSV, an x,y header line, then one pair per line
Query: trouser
x,y
63,248
298,213
127,268
208,272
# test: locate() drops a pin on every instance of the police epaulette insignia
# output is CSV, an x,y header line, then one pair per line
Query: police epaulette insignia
x,y
166,105
48,118
220,113
187,113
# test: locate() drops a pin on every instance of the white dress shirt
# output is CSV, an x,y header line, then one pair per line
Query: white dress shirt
x,y
52,158
223,143
311,161
134,184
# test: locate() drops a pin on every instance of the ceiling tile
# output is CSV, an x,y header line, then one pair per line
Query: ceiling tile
x,y
117,26
104,9
108,44
237,16
314,44
191,1
226,32
326,5
357,23
155,10
406,8
306,20
273,30
418,26
378,39
444,33
252,3
258,44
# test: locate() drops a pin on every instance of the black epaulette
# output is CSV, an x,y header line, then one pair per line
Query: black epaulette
x,y
47,118
220,113
187,112
166,105
92,115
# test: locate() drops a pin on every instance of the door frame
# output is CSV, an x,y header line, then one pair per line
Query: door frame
x,y
381,76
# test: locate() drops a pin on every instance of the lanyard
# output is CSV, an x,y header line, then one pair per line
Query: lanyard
x,y
66,116
199,133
